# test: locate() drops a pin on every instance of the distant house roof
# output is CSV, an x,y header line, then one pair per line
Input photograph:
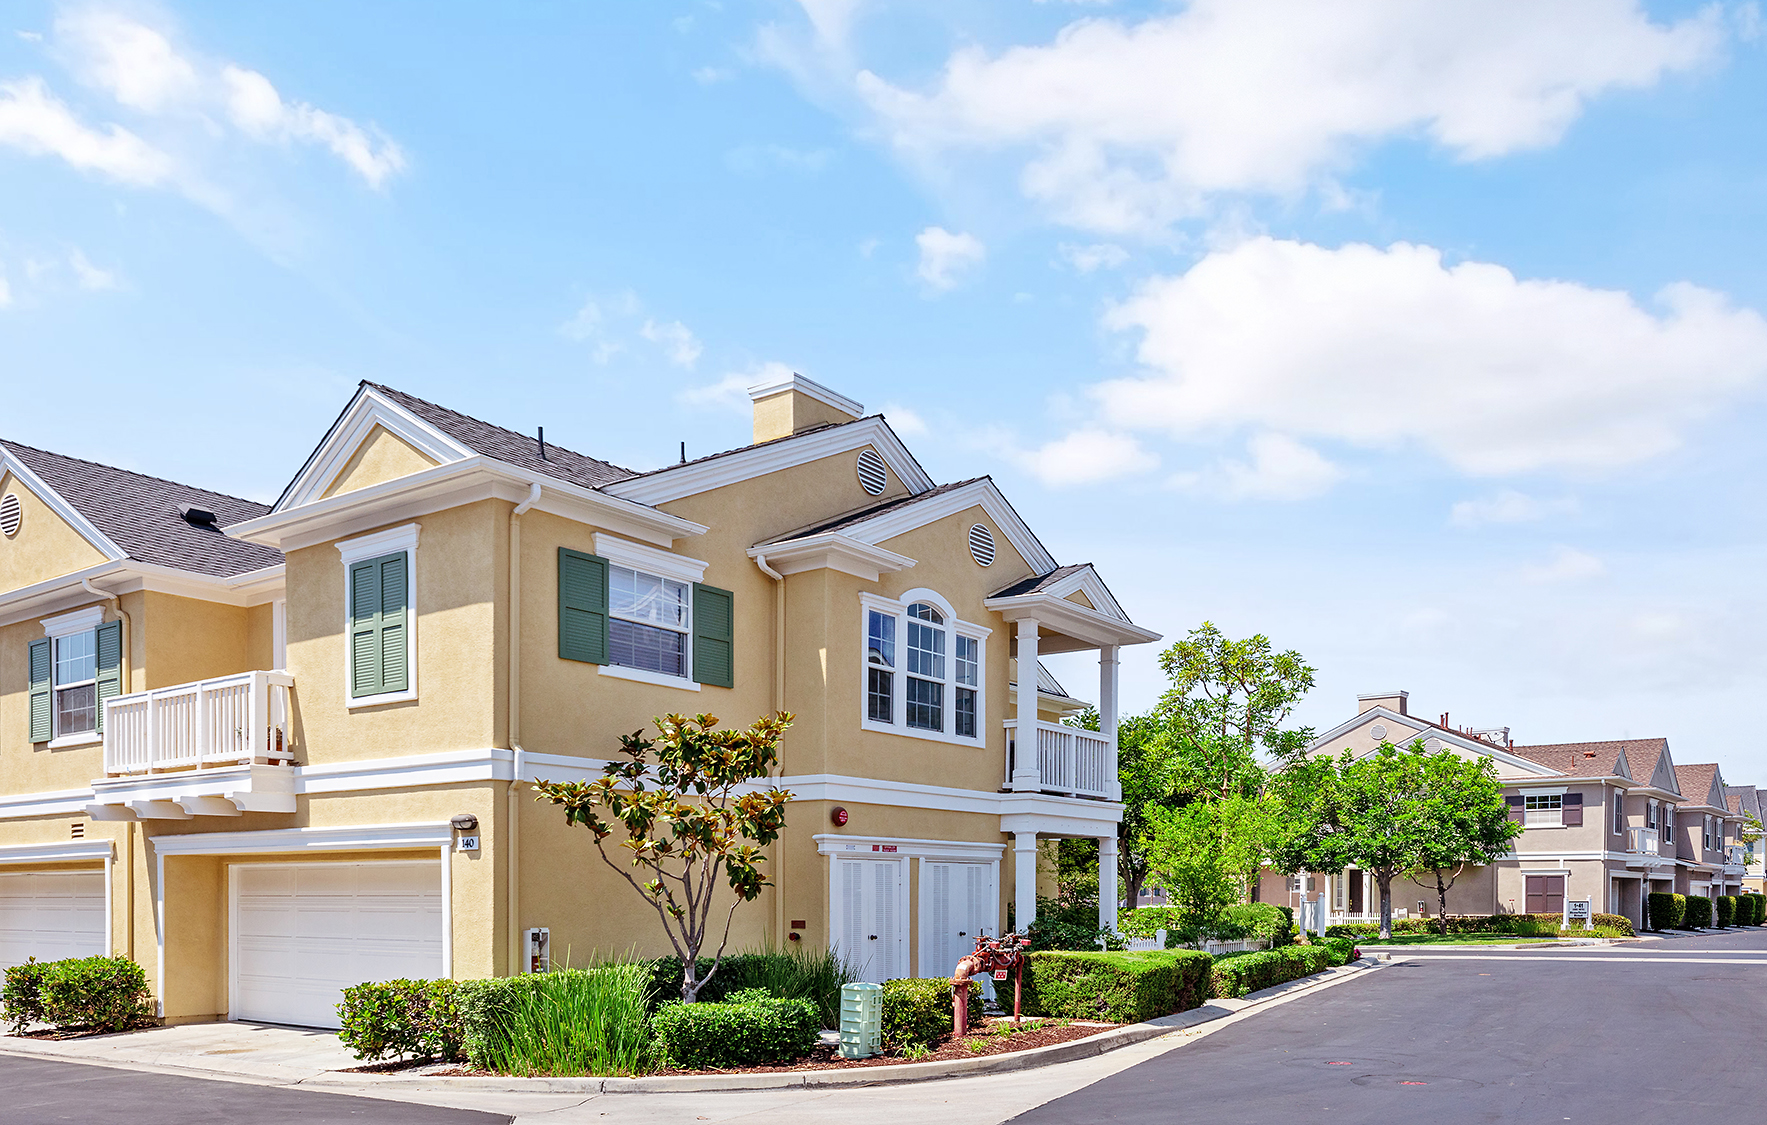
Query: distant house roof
x,y
140,514
1695,782
1577,758
510,447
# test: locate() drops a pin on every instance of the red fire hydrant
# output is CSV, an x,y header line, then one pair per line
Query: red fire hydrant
x,y
1001,955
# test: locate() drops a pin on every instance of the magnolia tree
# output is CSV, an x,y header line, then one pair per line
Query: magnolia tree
x,y
689,821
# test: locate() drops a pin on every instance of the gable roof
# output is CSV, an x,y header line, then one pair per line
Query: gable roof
x,y
871,511
138,515
1607,758
1037,583
1744,799
1696,782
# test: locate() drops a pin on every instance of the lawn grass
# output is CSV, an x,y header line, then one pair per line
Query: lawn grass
x,y
1454,939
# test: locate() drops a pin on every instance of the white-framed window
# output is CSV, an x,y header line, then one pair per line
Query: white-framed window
x,y
1706,832
923,669
73,676
1619,799
1650,813
649,612
380,616
1543,808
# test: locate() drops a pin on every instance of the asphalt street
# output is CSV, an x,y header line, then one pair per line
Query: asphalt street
x,y
1665,1031
34,1091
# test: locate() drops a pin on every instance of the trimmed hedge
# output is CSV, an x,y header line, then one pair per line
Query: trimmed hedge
x,y
1115,987
1724,910
1257,920
917,1011
403,1019
1699,912
1526,924
1235,974
1666,911
751,1029
1758,904
1287,934
94,993
1343,950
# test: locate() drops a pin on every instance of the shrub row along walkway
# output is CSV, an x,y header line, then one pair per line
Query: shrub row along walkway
x,y
284,1056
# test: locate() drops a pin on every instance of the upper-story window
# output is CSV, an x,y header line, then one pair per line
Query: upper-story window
x,y
1619,799
1706,832
651,621
74,668
923,669
380,615
1543,808
1668,822
1650,814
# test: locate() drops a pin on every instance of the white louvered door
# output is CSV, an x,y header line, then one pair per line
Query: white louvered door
x,y
871,927
959,906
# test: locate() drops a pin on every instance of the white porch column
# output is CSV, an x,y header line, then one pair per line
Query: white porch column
x,y
1024,880
1026,774
1107,883
1107,715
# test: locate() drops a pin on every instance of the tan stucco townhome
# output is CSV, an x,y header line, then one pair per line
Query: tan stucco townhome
x,y
272,750
1605,821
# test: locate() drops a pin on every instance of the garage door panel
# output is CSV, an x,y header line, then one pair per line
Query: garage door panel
x,y
305,932
51,916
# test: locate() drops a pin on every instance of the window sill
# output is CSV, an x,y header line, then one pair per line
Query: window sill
x,y
661,679
69,741
914,732
382,700
1531,827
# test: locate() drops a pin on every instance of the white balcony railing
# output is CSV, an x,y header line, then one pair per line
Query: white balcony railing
x,y
232,720
1645,847
1070,761
1735,859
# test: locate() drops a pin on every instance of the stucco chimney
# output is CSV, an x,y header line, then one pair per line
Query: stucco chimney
x,y
791,404
1391,700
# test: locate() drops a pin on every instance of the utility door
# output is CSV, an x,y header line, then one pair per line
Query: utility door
x,y
871,932
958,905
1546,894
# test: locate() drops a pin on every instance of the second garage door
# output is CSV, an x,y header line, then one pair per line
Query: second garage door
x,y
303,932
50,916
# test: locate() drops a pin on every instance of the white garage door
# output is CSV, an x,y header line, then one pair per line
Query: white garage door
x,y
303,932
51,916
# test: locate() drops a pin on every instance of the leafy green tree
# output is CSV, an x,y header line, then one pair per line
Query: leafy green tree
x,y
1469,823
1207,853
684,818
1235,690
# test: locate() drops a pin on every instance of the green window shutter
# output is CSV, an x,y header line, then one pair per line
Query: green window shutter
x,y
379,590
110,664
714,636
40,690
582,607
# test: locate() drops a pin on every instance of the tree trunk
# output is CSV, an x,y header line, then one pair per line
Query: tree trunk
x,y
1385,879
1442,901
1134,882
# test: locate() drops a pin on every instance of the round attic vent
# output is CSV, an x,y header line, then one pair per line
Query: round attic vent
x,y
874,475
11,514
981,545
1378,731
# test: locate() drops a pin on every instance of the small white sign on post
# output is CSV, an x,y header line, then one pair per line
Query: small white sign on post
x,y
1579,910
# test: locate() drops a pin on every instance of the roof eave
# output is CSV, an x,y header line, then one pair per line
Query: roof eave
x,y
1071,619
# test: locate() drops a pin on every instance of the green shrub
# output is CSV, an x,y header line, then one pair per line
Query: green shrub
x,y
1724,910
1286,935
1666,911
750,1029
1618,923
1343,950
1259,921
1239,973
99,993
21,1002
1071,926
1699,913
402,1019
571,1022
1759,903
1115,987
917,1011
1145,923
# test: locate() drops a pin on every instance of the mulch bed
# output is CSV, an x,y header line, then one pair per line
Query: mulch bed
x,y
992,1037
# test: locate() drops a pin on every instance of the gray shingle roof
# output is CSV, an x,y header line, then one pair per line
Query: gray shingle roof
x,y
508,446
1038,582
140,514
871,511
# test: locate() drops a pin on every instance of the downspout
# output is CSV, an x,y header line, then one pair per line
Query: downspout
x,y
779,930
519,766
116,603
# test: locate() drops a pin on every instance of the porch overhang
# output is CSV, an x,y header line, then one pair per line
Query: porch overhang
x,y
1065,626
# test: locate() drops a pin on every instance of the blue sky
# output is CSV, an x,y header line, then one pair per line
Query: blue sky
x,y
1426,344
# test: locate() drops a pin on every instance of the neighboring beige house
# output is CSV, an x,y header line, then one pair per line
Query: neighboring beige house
x,y
1605,821
269,751
1745,802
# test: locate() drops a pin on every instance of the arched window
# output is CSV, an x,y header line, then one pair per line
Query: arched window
x,y
939,666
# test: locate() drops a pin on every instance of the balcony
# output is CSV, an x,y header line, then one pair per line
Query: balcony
x,y
215,747
1735,860
1644,848
1070,762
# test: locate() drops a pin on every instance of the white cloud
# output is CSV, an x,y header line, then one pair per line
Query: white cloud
x,y
731,391
1099,255
259,111
89,276
30,36
945,257
904,421
5,293
1567,564
134,63
1128,126
37,122
1086,456
712,75
867,246
1508,506
1392,349
675,339
1279,468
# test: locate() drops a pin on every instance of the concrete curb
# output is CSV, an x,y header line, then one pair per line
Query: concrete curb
x,y
397,1086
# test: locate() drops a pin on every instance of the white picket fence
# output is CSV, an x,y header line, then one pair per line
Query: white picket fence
x,y
1158,941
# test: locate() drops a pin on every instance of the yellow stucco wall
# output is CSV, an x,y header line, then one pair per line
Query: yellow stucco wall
x,y
787,412
46,546
379,458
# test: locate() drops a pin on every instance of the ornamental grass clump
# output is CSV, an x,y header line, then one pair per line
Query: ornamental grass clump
x,y
570,1022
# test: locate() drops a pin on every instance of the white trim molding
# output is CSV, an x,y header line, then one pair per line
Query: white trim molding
x,y
370,837
63,852
367,410
637,556
832,551
58,504
832,843
392,541
79,621
794,382
646,676
983,493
